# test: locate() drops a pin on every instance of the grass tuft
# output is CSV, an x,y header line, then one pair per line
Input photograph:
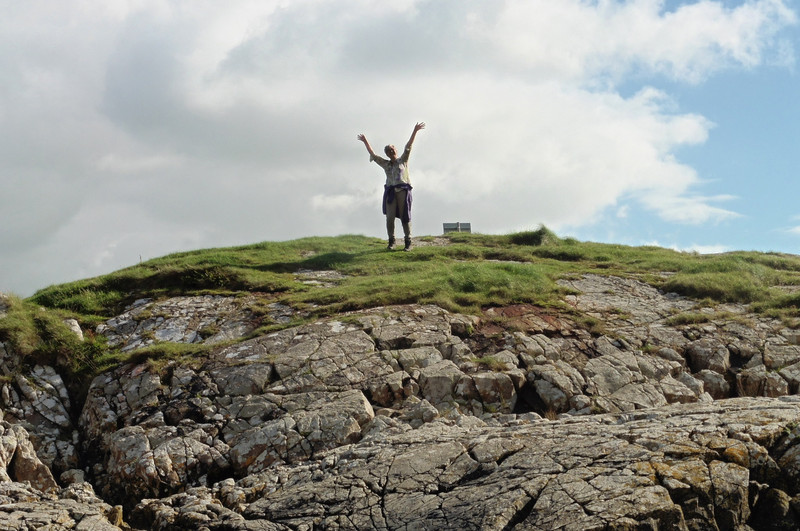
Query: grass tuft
x,y
688,318
538,237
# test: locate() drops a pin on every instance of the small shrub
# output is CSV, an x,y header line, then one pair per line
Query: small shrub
x,y
208,331
619,313
144,315
538,237
561,254
687,319
592,325
160,355
784,302
490,362
551,414
721,287
36,333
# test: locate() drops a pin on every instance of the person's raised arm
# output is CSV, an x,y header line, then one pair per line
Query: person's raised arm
x,y
366,145
420,125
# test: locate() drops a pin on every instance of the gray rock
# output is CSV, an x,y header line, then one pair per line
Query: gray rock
x,y
714,383
644,470
24,508
72,476
206,318
73,325
606,296
416,358
38,399
328,422
709,354
438,381
19,462
777,356
412,417
556,383
758,381
496,391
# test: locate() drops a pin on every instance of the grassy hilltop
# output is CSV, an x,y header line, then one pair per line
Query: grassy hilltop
x,y
460,272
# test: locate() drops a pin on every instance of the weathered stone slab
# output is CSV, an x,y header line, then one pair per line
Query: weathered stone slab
x,y
205,318
678,467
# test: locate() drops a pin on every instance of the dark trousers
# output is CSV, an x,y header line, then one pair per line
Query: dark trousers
x,y
396,209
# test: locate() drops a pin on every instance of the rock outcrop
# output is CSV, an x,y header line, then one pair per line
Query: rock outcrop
x,y
413,417
207,318
697,466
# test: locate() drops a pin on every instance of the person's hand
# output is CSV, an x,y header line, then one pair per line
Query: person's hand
x,y
362,138
420,125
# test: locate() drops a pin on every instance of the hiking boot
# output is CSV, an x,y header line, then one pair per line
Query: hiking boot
x,y
391,244
408,245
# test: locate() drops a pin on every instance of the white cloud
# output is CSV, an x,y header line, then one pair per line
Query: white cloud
x,y
708,249
158,124
578,40
337,202
693,248
689,209
122,163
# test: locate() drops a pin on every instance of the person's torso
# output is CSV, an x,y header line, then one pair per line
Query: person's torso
x,y
397,172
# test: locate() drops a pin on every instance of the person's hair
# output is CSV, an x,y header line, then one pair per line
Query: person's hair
x,y
386,149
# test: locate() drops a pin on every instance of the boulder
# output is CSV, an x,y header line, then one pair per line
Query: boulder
x,y
758,381
556,383
709,354
331,421
23,507
714,384
496,391
438,381
778,356
19,462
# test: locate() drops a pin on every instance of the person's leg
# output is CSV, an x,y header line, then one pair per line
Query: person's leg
x,y
407,232
401,205
390,216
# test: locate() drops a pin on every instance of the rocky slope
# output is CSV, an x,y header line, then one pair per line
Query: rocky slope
x,y
415,418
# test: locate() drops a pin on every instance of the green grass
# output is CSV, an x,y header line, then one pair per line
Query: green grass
x,y
40,336
35,333
470,273
688,318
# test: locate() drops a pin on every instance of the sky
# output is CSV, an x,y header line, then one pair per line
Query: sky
x,y
132,129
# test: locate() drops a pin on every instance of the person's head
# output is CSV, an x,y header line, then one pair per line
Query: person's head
x,y
390,151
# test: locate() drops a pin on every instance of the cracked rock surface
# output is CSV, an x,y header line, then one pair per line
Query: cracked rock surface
x,y
206,318
411,417
680,467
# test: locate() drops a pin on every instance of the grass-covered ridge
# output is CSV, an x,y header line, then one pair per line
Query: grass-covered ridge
x,y
460,272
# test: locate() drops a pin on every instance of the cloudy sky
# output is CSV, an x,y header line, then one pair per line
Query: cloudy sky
x,y
136,128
